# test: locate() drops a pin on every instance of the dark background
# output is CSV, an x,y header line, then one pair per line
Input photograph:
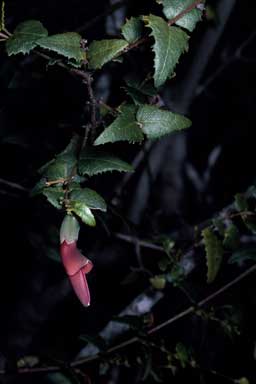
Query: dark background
x,y
182,181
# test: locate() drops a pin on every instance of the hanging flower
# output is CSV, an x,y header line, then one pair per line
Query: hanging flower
x,y
75,264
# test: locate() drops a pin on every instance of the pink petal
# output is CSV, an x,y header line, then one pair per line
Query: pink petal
x,y
80,286
73,260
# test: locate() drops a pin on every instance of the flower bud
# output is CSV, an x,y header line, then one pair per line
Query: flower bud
x,y
69,229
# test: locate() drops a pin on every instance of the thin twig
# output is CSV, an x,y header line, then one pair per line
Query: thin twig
x,y
184,12
87,80
133,340
109,10
13,185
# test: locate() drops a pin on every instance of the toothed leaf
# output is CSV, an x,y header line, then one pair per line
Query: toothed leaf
x,y
54,195
123,128
172,8
89,197
66,44
156,122
25,37
93,162
102,51
170,43
214,253
132,29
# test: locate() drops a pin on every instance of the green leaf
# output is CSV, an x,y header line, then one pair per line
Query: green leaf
x,y
170,43
182,355
62,166
243,380
137,97
132,29
84,212
60,169
88,197
214,253
93,162
241,203
123,128
100,52
158,281
25,37
54,195
139,90
66,44
38,188
144,86
172,8
242,255
156,122
231,237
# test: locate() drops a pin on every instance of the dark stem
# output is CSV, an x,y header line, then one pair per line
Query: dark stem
x,y
88,80
183,13
133,340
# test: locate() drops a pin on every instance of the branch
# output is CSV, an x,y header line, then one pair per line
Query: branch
x,y
13,185
134,340
184,12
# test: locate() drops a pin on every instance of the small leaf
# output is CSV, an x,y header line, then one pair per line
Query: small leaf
x,y
172,8
25,37
132,29
170,43
231,237
66,44
54,195
100,52
123,128
137,97
242,255
158,281
93,162
61,168
39,187
214,253
156,122
89,197
84,212
144,86
182,355
241,202
243,380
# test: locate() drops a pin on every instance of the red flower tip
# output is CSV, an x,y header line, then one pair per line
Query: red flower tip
x,y
76,265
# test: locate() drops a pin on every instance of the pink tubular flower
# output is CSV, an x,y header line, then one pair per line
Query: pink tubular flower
x,y
76,265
